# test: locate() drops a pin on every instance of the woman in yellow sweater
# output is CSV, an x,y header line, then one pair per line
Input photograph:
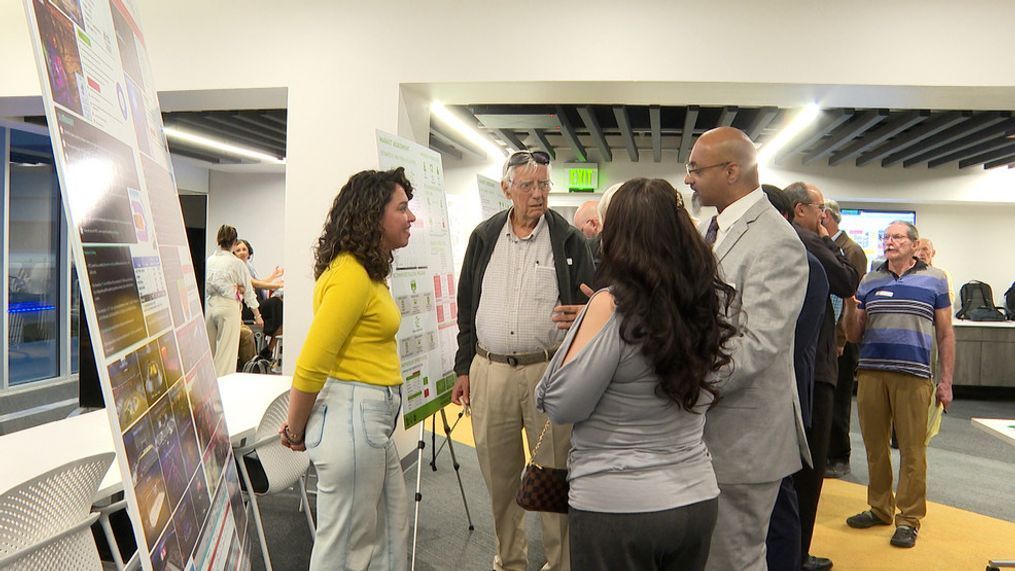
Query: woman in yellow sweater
x,y
348,374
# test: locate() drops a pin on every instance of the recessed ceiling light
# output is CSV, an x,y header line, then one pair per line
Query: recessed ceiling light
x,y
805,117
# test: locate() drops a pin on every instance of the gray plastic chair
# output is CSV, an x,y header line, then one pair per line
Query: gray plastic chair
x,y
45,522
282,468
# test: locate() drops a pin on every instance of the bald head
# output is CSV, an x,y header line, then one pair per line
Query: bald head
x,y
586,219
723,167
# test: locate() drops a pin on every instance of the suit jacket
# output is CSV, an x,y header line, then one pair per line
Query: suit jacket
x,y
842,281
857,259
805,338
755,432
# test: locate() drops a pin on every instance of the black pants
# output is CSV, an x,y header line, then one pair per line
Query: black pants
x,y
782,546
808,481
676,539
838,442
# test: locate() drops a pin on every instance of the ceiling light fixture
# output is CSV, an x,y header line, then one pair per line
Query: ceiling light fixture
x,y
209,143
805,117
447,117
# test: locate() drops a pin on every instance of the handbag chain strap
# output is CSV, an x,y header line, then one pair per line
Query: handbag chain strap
x,y
538,442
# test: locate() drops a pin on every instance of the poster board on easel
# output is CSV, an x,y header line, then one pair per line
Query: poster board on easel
x,y
137,284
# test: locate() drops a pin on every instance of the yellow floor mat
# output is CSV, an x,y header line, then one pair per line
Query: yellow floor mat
x,y
950,538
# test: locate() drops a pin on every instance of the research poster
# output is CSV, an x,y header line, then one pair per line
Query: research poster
x,y
423,283
138,285
491,197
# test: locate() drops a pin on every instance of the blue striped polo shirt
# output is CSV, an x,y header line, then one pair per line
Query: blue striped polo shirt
x,y
900,318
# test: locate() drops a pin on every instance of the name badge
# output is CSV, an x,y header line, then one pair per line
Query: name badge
x,y
569,262
884,293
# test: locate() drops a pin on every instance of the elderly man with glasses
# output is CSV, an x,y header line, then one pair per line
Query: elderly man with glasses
x,y
899,309
524,278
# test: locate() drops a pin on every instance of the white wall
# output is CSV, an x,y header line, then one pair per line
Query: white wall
x,y
190,176
255,205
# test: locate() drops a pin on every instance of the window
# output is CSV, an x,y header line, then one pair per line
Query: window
x,y
33,243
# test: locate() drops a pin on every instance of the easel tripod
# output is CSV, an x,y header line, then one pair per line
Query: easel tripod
x,y
433,465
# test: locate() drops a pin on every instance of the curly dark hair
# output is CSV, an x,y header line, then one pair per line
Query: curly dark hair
x,y
665,281
354,222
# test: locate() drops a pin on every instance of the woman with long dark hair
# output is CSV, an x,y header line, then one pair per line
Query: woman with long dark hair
x,y
633,376
348,374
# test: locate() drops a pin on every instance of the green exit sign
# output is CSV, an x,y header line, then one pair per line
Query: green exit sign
x,y
584,178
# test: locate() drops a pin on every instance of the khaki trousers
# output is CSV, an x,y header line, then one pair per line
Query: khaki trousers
x,y
502,400
884,398
222,320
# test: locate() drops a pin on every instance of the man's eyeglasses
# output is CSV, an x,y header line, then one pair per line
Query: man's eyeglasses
x,y
819,205
896,237
523,157
695,170
530,185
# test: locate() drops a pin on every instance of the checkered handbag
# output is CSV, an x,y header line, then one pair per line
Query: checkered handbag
x,y
542,489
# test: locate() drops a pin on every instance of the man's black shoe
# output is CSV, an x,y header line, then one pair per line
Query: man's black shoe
x,y
863,520
813,563
904,536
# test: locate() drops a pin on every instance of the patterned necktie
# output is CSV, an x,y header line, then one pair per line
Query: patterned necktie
x,y
713,230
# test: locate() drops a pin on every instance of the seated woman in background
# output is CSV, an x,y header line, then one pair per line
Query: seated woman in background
x,y
632,375
227,280
349,367
271,307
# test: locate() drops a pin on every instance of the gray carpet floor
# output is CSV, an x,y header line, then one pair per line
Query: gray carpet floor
x,y
967,469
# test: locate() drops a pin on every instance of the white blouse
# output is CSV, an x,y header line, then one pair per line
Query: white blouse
x,y
224,272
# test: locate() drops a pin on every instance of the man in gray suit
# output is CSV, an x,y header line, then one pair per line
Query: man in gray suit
x,y
755,433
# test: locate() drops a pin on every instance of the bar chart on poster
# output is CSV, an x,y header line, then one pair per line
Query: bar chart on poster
x,y
138,284
423,283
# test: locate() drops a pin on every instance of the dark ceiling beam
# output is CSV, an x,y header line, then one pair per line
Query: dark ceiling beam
x,y
452,141
1008,160
996,143
655,119
1001,129
542,143
230,125
829,120
588,116
893,126
202,127
509,137
974,123
260,123
570,135
200,154
727,116
282,122
932,126
1003,152
765,116
687,134
845,133
624,122
444,149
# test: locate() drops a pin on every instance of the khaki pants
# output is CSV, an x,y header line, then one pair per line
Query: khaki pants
x,y
248,348
502,400
222,320
884,397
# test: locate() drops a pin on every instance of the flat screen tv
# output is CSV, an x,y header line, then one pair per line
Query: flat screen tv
x,y
867,228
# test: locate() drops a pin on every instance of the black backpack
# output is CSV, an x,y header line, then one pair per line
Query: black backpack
x,y
978,303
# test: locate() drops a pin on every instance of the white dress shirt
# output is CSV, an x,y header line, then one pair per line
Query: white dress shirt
x,y
735,212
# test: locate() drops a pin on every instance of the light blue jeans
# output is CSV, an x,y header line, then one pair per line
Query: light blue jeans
x,y
362,504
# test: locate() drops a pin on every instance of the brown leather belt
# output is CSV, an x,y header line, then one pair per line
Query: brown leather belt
x,y
518,359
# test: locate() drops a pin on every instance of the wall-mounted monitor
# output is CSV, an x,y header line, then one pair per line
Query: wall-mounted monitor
x,y
867,228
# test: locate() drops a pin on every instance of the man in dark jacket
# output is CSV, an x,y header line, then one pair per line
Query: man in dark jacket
x,y
520,289
807,209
